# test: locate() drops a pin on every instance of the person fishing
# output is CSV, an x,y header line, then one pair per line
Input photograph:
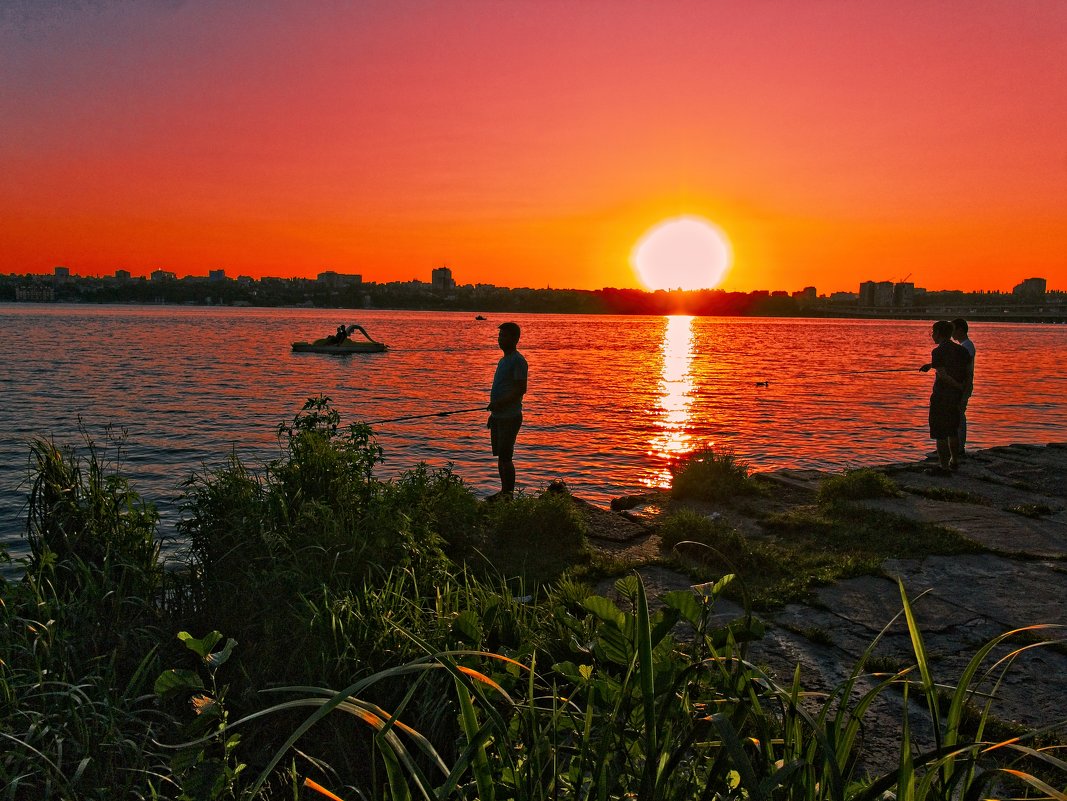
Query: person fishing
x,y
505,406
952,364
959,333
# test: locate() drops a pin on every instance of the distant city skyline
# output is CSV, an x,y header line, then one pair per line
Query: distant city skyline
x,y
867,292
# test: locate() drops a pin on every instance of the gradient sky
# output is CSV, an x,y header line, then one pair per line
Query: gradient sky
x,y
532,143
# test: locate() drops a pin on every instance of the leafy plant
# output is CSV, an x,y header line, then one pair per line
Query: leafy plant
x,y
206,766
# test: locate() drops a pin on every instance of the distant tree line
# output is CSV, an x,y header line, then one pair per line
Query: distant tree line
x,y
410,295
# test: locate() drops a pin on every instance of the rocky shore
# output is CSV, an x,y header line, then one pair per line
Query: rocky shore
x,y
1010,502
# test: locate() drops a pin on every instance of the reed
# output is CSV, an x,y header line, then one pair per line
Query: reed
x,y
80,634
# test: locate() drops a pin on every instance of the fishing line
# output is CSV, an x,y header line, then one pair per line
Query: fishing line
x,y
421,416
837,374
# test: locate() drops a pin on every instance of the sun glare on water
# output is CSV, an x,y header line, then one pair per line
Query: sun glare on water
x,y
682,253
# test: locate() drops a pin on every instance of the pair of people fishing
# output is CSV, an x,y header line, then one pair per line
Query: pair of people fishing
x,y
953,363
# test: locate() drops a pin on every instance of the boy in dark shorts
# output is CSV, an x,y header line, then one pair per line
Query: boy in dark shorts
x,y
505,406
952,364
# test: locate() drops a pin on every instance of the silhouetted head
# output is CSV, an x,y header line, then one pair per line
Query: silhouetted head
x,y
508,336
941,330
959,329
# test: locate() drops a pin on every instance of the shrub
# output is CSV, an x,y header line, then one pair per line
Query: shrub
x,y
443,505
856,485
709,475
84,515
536,538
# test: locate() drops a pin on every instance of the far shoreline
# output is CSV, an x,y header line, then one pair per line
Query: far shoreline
x,y
1054,316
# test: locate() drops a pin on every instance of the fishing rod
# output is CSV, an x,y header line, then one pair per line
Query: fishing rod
x,y
431,414
836,373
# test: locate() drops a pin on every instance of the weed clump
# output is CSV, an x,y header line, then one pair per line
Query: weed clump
x,y
709,475
535,537
855,485
711,540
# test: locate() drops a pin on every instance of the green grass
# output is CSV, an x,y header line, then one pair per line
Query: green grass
x,y
811,546
709,475
857,485
947,494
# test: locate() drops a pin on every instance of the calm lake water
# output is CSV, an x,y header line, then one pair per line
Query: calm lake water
x,y
611,398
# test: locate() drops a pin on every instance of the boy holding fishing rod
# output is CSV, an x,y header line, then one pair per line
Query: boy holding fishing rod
x,y
505,406
952,364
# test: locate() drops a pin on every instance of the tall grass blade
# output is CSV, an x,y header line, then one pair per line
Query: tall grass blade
x,y
647,680
923,663
479,761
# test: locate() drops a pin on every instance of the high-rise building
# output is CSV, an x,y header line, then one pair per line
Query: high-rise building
x,y
441,278
876,293
904,295
216,275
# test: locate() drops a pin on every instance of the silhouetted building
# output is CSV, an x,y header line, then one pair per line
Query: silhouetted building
x,y
903,295
163,275
122,275
335,279
441,278
876,293
216,275
1030,289
61,273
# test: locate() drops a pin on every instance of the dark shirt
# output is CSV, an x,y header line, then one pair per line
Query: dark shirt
x,y
511,371
952,359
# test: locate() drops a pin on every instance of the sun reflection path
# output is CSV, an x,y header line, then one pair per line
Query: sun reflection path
x,y
676,388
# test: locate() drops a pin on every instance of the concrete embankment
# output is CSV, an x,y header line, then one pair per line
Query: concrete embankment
x,y
1010,501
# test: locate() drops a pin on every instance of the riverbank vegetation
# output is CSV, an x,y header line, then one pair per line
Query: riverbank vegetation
x,y
331,635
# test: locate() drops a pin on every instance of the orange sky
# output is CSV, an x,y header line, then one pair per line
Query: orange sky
x,y
532,143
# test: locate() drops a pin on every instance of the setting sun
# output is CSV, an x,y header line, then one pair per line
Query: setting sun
x,y
682,253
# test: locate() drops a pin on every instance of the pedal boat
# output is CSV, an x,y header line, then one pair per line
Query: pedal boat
x,y
325,345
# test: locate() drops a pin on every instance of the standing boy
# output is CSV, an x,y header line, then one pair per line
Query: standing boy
x,y
952,364
505,406
959,333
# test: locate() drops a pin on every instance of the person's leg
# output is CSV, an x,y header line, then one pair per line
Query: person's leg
x,y
504,433
954,450
506,468
963,424
943,454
